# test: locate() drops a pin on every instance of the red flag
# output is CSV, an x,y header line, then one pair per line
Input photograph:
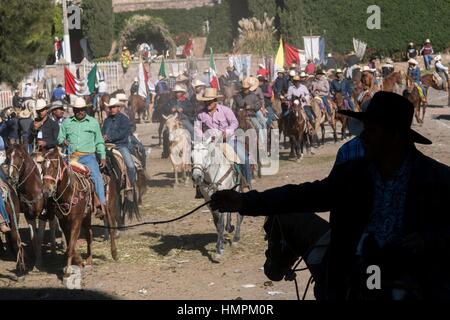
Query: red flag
x,y
291,54
70,82
213,79
187,51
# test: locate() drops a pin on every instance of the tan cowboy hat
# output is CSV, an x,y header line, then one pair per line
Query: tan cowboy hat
x,y
182,78
209,95
114,102
427,41
179,88
251,83
79,103
24,114
292,73
121,97
40,105
296,78
136,79
366,68
56,105
338,71
413,61
198,83
389,61
303,75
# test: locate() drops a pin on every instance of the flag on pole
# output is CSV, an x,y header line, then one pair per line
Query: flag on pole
x,y
162,70
92,79
279,59
213,79
291,55
72,84
143,81
187,51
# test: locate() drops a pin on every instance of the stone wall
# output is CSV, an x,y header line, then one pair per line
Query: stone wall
x,y
133,5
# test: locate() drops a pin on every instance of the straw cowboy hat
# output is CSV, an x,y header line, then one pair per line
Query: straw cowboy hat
x,y
427,41
338,71
40,104
24,114
179,88
56,105
400,118
198,83
413,61
389,61
261,65
114,102
250,83
209,95
292,73
136,79
182,78
303,75
79,103
296,78
121,97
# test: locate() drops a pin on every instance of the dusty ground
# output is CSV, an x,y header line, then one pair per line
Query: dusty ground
x,y
174,261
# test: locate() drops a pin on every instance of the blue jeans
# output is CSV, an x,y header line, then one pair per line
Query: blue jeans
x,y
240,150
94,102
3,210
189,127
90,161
427,59
325,103
262,120
129,162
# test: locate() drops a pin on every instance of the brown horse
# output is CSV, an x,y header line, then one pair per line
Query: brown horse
x,y
429,81
413,95
139,106
26,180
299,130
70,196
393,81
322,117
340,105
13,239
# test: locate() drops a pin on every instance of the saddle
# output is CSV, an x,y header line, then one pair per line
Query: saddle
x,y
438,80
123,168
79,168
229,153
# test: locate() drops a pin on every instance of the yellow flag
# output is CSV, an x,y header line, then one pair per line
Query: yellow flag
x,y
279,60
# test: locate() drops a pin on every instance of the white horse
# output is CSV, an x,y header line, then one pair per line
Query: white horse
x,y
212,172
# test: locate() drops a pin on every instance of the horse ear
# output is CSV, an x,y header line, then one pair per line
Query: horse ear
x,y
176,116
165,117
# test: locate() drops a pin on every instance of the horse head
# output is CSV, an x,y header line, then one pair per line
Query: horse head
x,y
203,155
52,172
289,238
16,159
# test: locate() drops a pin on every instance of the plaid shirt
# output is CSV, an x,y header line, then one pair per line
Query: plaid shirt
x,y
352,150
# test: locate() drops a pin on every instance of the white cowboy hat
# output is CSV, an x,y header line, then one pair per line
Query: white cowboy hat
x,y
209,95
24,114
179,88
338,71
427,41
121,97
182,78
389,61
411,43
281,71
303,75
136,79
261,65
330,55
114,102
40,104
29,81
206,70
413,61
251,83
292,73
198,83
438,58
80,103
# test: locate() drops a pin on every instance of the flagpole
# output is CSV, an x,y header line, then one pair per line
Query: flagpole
x,y
67,50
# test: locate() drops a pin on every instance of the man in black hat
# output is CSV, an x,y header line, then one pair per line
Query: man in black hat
x,y
388,209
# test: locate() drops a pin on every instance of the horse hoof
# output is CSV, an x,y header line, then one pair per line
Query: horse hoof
x,y
217,258
115,256
230,229
20,279
72,278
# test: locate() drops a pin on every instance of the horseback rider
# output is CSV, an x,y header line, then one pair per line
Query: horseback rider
x,y
427,52
83,137
29,90
298,91
101,90
134,90
248,100
182,105
57,112
25,120
411,51
442,71
414,73
387,68
267,91
116,130
221,121
17,100
343,86
43,131
322,87
199,88
4,218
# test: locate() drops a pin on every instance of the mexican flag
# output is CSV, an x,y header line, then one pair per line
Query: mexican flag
x,y
213,79
72,84
92,79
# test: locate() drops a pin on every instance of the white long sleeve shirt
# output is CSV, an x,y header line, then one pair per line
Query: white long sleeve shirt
x,y
301,91
441,67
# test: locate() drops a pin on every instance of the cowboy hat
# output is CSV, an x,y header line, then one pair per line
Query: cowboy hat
x,y
292,73
366,68
389,61
400,117
330,55
80,103
427,41
136,79
114,102
56,105
320,71
209,95
296,78
198,83
40,105
24,114
413,61
182,78
438,58
281,71
251,83
121,97
179,88
261,65
338,71
293,66
303,75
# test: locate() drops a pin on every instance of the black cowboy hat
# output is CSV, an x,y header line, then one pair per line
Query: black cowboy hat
x,y
392,111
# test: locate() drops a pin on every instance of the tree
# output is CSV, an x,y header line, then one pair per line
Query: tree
x,y
293,24
98,26
25,37
259,7
221,35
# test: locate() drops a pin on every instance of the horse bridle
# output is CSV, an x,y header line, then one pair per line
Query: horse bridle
x,y
59,177
16,184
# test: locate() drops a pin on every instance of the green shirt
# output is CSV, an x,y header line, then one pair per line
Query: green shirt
x,y
83,136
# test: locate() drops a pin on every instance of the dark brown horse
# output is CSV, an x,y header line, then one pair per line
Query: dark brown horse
x,y
26,179
70,196
139,106
340,105
299,131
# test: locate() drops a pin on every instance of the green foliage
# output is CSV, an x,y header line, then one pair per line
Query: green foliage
x,y
256,36
259,7
293,21
98,24
25,37
58,28
221,34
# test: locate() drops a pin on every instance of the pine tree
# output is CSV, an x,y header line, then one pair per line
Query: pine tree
x,y
293,24
25,37
259,7
221,35
98,26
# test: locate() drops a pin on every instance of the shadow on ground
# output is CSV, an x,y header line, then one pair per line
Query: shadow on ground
x,y
53,294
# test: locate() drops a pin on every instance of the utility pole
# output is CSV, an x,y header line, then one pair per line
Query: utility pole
x,y
67,52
